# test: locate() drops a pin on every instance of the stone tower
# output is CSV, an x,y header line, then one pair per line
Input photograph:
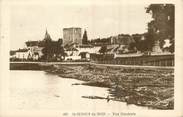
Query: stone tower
x,y
72,35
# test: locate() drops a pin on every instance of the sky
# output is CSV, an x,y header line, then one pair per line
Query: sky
x,y
29,21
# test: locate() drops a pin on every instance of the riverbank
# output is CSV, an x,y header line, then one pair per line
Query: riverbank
x,y
29,66
40,65
152,87
139,85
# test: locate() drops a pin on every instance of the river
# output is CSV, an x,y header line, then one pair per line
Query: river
x,y
40,90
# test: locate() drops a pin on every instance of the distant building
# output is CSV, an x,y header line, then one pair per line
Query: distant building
x,y
121,39
23,54
124,39
81,52
36,47
72,54
114,40
72,35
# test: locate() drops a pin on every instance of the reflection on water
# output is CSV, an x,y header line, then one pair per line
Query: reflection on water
x,y
39,90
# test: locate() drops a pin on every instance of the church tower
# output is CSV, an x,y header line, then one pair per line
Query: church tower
x,y
47,36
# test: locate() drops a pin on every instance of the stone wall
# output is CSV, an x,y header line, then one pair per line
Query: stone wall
x,y
151,60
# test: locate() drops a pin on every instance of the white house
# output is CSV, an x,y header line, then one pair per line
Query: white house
x,y
72,54
23,54
81,52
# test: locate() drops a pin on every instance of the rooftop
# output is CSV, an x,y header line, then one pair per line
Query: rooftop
x,y
32,43
22,50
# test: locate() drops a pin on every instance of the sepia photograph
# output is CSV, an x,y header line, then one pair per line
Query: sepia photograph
x,y
89,58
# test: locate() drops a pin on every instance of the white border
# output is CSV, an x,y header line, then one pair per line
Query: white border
x,y
4,58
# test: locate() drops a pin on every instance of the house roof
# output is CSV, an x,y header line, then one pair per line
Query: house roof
x,y
12,52
36,53
83,53
71,49
22,50
85,46
116,49
32,43
109,49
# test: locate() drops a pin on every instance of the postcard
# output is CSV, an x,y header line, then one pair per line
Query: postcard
x,y
91,58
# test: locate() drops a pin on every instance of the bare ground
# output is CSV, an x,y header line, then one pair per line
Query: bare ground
x,y
152,87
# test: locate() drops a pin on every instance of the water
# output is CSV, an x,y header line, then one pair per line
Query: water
x,y
40,90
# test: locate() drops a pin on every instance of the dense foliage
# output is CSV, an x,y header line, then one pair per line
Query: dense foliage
x,y
162,25
53,50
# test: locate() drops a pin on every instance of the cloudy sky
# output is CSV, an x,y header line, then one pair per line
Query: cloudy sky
x,y
29,21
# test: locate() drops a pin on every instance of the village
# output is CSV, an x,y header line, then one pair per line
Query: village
x,y
154,47
75,47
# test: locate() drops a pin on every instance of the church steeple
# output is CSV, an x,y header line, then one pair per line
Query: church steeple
x,y
47,35
46,32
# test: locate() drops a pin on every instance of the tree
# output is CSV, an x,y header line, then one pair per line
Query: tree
x,y
47,52
60,49
85,38
162,25
60,41
141,42
103,49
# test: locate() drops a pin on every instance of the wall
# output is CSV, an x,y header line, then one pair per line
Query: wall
x,y
154,60
23,55
72,35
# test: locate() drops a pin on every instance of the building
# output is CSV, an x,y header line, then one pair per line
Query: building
x,y
72,35
23,54
72,54
12,55
35,49
81,52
